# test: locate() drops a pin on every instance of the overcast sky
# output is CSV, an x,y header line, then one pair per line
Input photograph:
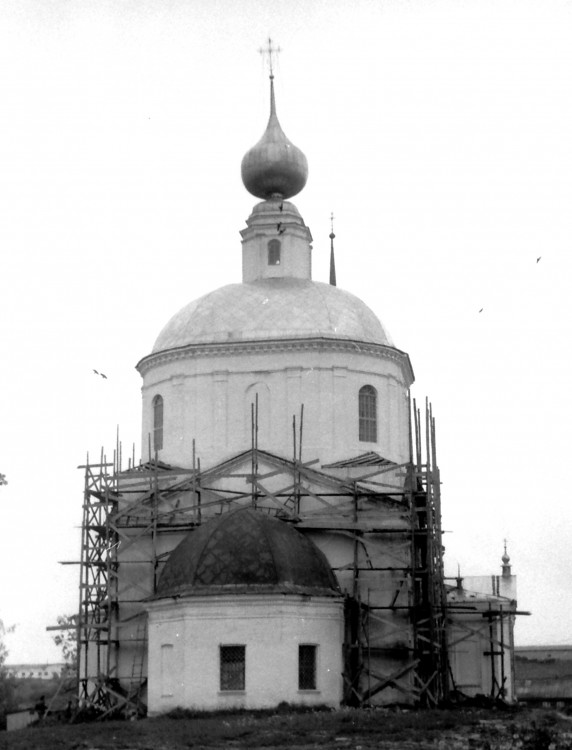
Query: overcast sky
x,y
440,135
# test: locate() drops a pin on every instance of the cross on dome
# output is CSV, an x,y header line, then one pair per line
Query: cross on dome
x,y
269,52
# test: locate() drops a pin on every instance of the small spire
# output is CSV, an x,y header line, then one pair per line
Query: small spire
x,y
332,257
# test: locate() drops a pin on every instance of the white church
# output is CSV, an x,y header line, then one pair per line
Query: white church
x,y
281,539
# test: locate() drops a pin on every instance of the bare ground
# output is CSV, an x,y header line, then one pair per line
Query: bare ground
x,y
355,729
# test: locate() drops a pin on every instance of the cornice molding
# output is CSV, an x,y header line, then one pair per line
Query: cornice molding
x,y
234,348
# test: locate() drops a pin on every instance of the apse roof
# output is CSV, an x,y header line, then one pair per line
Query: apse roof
x,y
246,551
277,308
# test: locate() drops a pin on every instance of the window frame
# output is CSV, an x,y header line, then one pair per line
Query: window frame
x,y
231,681
274,252
307,668
367,414
158,404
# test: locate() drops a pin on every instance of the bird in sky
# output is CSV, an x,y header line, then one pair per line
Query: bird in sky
x,y
539,257
482,308
96,372
103,376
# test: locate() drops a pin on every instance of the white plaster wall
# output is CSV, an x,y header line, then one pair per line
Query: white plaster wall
x,y
191,631
295,241
20,719
470,648
207,398
295,257
492,585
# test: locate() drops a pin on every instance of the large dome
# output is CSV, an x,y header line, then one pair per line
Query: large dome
x,y
275,308
246,551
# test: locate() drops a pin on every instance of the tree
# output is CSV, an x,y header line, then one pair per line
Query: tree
x,y
6,682
66,639
3,649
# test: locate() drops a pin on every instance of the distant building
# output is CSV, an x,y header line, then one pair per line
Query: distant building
x,y
49,671
544,653
544,675
482,612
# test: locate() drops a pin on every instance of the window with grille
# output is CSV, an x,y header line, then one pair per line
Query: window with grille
x,y
307,667
232,667
274,253
158,423
368,414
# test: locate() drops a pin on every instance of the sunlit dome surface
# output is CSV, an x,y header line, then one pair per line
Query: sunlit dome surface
x,y
246,551
282,308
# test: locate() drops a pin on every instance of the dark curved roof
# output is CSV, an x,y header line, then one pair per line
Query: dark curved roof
x,y
246,551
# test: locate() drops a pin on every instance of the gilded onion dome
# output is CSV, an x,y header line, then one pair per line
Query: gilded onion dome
x,y
274,166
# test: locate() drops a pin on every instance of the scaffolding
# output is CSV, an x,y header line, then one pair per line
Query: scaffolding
x,y
386,516
98,582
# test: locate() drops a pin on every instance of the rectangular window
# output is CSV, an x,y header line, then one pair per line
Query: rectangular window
x,y
307,667
232,667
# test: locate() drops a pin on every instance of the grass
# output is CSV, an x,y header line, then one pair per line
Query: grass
x,y
290,728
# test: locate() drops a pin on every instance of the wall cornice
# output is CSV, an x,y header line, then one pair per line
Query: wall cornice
x,y
317,344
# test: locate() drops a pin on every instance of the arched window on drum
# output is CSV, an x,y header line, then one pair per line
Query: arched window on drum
x,y
367,414
274,253
158,423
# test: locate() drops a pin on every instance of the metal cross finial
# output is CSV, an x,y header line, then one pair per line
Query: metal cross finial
x,y
332,223
270,51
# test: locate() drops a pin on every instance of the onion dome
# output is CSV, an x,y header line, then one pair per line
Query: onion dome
x,y
274,166
246,551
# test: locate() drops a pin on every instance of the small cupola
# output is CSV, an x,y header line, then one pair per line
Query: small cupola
x,y
506,566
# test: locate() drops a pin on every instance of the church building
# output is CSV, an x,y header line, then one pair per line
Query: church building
x,y
281,541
